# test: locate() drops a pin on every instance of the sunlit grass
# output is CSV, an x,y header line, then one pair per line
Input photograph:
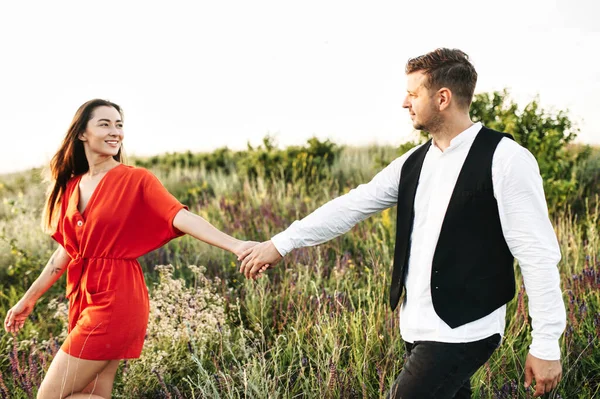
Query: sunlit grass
x,y
317,326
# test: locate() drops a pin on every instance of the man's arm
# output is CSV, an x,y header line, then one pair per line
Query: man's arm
x,y
531,239
330,220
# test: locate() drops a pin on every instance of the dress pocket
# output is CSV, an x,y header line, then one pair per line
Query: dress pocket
x,y
97,312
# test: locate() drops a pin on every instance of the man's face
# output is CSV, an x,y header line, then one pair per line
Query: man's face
x,y
420,104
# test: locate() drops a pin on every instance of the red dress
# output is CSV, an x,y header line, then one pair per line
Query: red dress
x,y
129,214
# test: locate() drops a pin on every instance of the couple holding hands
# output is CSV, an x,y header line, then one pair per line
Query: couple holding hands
x,y
470,201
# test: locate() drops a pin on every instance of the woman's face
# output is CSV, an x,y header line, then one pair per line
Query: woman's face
x,y
104,132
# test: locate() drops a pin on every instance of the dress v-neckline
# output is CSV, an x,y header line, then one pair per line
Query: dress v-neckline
x,y
92,196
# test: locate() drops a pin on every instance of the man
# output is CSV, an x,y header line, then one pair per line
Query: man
x,y
468,201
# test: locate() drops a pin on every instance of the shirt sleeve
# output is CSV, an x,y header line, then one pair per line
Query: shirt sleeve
x,y
160,208
532,241
341,214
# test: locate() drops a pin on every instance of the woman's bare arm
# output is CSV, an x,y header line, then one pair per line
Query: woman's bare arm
x,y
56,266
201,229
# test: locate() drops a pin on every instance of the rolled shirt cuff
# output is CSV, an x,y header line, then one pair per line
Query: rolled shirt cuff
x,y
545,349
282,243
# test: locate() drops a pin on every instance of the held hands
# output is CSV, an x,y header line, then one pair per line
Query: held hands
x,y
258,259
16,316
243,246
547,374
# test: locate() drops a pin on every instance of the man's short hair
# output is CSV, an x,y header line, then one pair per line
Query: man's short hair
x,y
448,68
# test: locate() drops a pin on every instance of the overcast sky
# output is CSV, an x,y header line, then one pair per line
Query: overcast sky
x,y
202,75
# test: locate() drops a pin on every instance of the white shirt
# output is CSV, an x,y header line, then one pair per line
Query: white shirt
x,y
525,224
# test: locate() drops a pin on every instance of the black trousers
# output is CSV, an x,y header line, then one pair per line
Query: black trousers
x,y
438,370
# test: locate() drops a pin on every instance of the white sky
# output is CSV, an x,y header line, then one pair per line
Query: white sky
x,y
205,74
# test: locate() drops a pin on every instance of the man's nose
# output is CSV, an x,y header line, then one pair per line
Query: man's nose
x,y
406,103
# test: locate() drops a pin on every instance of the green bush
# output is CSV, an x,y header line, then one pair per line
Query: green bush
x,y
308,163
545,134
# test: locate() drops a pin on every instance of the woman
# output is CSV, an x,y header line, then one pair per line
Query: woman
x,y
104,215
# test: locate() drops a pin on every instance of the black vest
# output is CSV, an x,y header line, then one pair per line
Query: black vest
x,y
472,271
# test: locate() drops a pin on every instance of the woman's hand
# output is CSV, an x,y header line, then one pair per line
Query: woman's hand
x,y
243,246
16,316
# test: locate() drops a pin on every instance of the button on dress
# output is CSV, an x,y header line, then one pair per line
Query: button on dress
x,y
129,214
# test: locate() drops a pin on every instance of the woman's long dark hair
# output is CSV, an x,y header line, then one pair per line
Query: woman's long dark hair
x,y
70,159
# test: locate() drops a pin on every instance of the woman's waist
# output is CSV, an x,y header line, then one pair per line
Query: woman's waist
x,y
100,257
104,273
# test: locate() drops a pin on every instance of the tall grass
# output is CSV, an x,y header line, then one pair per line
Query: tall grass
x,y
317,326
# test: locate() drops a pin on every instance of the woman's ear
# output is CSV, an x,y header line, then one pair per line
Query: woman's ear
x,y
81,136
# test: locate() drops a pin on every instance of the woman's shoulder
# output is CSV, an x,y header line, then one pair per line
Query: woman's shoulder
x,y
136,173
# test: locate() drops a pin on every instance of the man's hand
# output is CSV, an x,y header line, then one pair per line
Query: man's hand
x,y
243,246
258,259
547,374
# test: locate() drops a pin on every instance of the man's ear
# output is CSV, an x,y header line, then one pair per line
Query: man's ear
x,y
444,97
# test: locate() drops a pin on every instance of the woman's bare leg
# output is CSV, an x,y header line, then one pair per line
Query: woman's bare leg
x,y
69,376
102,385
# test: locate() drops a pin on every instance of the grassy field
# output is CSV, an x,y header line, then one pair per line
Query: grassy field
x,y
318,326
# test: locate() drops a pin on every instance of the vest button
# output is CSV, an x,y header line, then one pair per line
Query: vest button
x,y
79,223
437,288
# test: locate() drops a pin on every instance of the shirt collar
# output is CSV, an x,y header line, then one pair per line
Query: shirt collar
x,y
466,136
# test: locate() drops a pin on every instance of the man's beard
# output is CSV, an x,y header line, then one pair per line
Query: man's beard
x,y
432,125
